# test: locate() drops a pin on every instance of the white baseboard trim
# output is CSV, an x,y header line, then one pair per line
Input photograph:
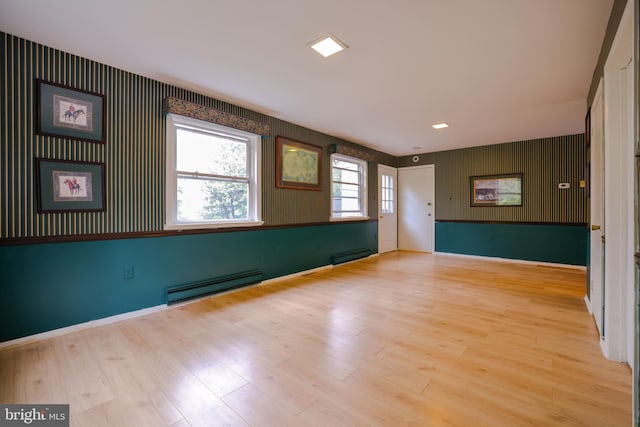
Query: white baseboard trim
x,y
515,261
143,312
312,271
356,260
604,347
587,302
294,275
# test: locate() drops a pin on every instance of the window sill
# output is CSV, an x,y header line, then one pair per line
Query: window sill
x,y
204,225
349,218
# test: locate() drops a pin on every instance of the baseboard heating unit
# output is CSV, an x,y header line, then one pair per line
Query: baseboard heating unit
x,y
341,257
213,285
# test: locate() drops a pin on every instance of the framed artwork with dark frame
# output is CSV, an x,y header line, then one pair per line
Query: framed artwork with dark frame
x,y
496,190
298,165
69,186
65,112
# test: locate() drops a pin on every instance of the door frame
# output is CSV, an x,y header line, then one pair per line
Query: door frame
x,y
636,362
394,171
596,220
619,155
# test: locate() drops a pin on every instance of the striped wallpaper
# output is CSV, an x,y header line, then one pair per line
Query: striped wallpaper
x,y
133,153
135,148
543,162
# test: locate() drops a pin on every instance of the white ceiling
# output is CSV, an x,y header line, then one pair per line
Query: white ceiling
x,y
495,70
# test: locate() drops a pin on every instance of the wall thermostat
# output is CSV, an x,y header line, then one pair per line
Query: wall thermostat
x,y
415,159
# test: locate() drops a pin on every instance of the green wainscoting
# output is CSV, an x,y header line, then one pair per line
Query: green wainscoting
x,y
50,286
555,243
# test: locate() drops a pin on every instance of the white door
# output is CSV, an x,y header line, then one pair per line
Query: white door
x,y
387,209
596,263
416,208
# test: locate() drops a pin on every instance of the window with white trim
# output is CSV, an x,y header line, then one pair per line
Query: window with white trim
x,y
348,187
213,175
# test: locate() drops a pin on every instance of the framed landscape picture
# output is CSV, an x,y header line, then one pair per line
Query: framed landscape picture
x,y
496,190
69,186
65,112
298,165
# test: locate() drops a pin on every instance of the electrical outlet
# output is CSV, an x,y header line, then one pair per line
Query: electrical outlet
x,y
127,272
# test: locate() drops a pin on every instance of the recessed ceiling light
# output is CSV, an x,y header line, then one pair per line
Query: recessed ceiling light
x,y
327,45
440,126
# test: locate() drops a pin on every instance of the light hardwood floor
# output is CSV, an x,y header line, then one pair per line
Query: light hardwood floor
x,y
400,339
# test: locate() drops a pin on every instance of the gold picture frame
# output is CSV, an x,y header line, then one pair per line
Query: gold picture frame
x,y
496,190
298,165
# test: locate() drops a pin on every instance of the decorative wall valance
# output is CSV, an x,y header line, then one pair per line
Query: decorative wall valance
x,y
200,112
353,152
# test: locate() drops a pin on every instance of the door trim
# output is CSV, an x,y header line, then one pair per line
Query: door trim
x,y
597,209
619,180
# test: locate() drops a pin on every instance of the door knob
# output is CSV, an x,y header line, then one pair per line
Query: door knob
x,y
595,227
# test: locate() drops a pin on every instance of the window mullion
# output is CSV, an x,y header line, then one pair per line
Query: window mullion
x,y
358,184
212,176
346,170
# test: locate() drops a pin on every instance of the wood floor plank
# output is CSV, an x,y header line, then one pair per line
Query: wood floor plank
x,y
84,381
323,413
259,409
356,401
400,339
110,413
38,374
197,403
7,376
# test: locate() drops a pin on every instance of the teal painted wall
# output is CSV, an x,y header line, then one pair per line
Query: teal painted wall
x,y
49,286
556,243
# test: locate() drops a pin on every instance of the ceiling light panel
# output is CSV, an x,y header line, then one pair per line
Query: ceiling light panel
x,y
327,45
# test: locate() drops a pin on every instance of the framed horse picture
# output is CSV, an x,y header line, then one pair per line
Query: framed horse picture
x,y
69,186
66,112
